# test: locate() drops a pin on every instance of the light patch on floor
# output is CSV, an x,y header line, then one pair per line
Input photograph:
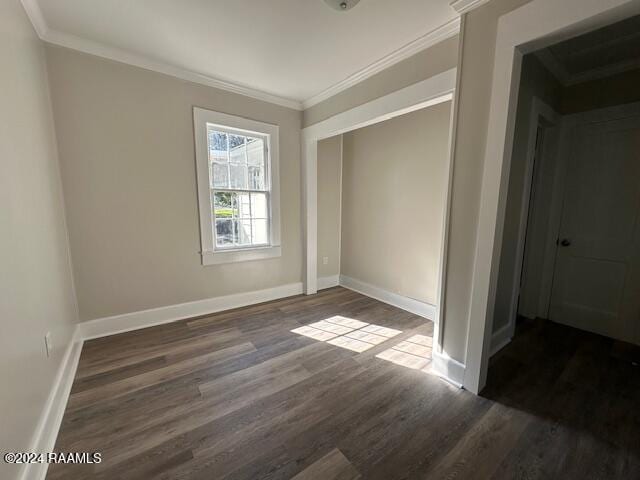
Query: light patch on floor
x,y
414,352
346,322
351,344
347,333
314,333
414,349
367,337
331,327
421,340
384,331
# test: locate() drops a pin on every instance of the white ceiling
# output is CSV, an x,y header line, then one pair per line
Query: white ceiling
x,y
294,49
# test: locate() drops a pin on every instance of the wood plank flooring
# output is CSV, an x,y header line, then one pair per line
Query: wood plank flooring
x,y
237,395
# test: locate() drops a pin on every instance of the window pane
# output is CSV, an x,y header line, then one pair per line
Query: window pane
x,y
239,176
219,140
224,232
237,149
260,232
259,205
255,151
238,162
244,208
217,146
225,204
256,178
236,140
243,232
219,176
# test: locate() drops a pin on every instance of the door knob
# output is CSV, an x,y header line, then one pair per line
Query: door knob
x,y
565,242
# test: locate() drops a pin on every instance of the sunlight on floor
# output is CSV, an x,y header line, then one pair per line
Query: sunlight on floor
x,y
347,333
414,352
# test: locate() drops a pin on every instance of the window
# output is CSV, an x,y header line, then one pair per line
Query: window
x,y
237,166
239,191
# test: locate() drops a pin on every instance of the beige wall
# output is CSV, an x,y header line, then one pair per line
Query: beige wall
x,y
393,202
35,279
425,64
536,81
128,169
475,72
329,193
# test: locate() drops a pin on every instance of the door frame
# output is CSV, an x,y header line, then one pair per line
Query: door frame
x,y
437,89
539,111
534,25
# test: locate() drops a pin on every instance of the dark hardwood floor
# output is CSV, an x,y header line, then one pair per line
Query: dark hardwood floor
x,y
237,395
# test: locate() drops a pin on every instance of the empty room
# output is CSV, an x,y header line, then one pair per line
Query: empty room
x,y
320,239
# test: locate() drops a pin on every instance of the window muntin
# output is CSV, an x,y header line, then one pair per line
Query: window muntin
x,y
239,188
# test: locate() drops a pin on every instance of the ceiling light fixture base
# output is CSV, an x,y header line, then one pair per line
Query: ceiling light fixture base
x,y
342,5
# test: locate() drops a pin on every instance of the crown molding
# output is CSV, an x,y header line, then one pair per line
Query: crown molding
x,y
123,56
566,79
604,72
449,29
465,6
34,13
551,63
119,55
73,42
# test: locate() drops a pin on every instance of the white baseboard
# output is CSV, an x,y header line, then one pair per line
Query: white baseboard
x,y
448,368
103,327
328,282
422,309
500,339
46,433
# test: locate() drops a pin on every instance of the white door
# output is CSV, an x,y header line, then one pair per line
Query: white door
x,y
596,283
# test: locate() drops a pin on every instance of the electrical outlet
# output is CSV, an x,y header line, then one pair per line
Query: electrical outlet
x,y
325,260
48,344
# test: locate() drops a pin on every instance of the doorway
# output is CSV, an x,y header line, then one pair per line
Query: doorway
x,y
433,91
521,280
576,258
516,36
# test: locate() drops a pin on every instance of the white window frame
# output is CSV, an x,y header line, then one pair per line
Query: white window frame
x,y
210,253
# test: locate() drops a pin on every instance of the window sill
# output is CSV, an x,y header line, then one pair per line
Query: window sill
x,y
243,255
